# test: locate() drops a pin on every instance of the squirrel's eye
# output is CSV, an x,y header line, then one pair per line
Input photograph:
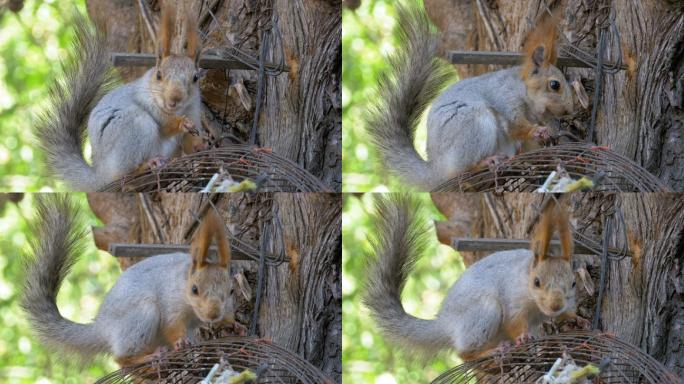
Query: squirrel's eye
x,y
195,78
537,283
574,283
195,290
554,84
158,75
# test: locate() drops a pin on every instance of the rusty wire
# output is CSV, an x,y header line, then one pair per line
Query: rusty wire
x,y
191,173
622,362
528,171
192,364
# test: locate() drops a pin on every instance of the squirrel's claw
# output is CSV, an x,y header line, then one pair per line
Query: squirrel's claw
x,y
542,134
188,126
493,162
582,322
181,343
156,162
239,329
524,338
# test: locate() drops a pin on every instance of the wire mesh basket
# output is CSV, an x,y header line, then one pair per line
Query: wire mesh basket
x,y
192,364
192,173
528,171
619,362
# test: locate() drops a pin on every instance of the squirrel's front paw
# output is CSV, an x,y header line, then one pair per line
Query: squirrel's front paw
x,y
493,162
524,338
503,348
157,162
181,343
187,125
542,134
582,322
239,329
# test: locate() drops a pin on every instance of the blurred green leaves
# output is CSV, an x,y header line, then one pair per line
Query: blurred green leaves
x,y
32,43
367,40
22,358
366,358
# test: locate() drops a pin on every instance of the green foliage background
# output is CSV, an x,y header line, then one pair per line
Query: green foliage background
x,y
22,358
367,40
32,44
366,358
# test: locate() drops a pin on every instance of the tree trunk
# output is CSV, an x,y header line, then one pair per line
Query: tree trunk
x,y
643,302
301,308
640,112
300,111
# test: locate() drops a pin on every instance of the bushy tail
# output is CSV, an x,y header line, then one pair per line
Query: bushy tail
x,y
401,236
416,77
55,247
61,130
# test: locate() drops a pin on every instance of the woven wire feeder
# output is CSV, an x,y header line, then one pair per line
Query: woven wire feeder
x,y
622,362
191,173
192,364
528,171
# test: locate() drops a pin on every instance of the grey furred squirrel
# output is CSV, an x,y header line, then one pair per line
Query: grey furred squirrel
x,y
131,127
500,298
475,121
154,304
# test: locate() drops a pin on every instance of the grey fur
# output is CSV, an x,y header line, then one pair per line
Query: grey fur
x,y
493,296
55,248
148,301
469,122
416,77
124,126
401,236
61,131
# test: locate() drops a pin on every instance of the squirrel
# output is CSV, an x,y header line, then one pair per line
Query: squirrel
x,y
474,122
156,303
501,298
134,126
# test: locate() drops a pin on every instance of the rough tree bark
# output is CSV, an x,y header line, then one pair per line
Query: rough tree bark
x,y
644,297
640,114
301,112
301,306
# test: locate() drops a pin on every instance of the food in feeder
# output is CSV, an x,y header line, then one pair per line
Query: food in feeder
x,y
230,376
566,371
560,182
222,182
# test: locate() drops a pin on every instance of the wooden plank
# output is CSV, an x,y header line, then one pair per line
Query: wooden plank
x,y
124,59
510,58
494,245
146,250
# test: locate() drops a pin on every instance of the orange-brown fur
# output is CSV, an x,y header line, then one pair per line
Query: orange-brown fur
x,y
166,30
543,35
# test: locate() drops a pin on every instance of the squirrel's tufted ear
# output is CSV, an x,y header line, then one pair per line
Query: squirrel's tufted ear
x,y
193,47
212,228
565,233
538,56
202,240
540,44
224,255
553,217
165,31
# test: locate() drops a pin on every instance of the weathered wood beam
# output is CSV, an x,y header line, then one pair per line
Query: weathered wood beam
x,y
494,245
146,250
124,59
510,58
